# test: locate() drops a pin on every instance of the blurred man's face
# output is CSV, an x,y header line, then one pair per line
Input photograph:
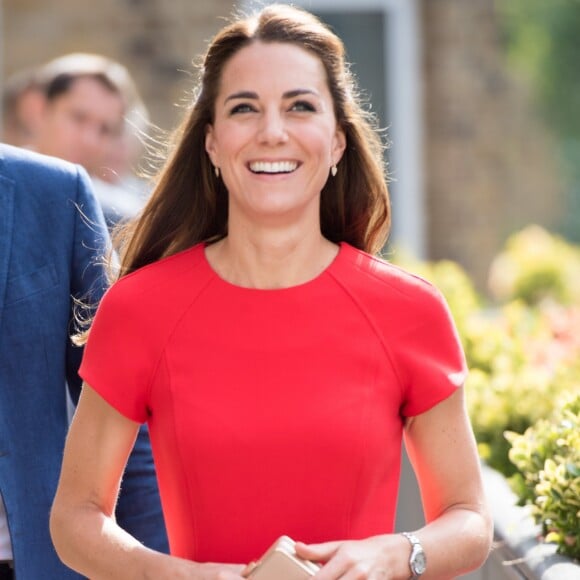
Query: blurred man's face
x,y
21,124
82,124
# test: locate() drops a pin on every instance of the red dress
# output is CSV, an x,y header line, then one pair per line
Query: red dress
x,y
273,411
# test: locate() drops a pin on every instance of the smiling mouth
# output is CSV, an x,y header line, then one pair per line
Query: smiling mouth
x,y
273,167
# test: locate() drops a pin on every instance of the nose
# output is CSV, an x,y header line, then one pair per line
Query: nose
x,y
92,146
272,128
89,138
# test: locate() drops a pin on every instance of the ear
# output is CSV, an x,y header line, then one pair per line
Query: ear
x,y
210,145
338,145
35,108
41,110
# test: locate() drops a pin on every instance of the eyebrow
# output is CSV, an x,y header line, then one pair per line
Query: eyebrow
x,y
287,95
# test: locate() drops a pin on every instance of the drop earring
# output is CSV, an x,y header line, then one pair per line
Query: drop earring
x,y
334,170
216,170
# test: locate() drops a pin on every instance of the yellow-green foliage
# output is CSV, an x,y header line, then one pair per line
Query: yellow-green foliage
x,y
547,457
458,290
536,265
524,356
521,361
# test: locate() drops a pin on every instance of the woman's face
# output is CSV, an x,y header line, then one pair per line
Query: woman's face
x,y
275,135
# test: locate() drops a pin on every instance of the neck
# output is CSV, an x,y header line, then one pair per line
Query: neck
x,y
271,259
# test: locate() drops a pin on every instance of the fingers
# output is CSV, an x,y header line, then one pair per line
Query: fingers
x,y
317,552
248,569
335,568
220,571
236,571
349,560
345,570
330,554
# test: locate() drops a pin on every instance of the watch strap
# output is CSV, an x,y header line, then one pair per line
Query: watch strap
x,y
416,549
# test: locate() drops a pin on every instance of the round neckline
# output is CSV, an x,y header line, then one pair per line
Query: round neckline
x,y
296,287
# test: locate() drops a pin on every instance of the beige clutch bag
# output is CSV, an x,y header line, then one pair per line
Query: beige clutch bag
x,y
280,562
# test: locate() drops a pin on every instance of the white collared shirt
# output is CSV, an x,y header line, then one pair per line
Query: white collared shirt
x,y
5,544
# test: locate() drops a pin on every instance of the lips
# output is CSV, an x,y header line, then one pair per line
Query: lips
x,y
273,167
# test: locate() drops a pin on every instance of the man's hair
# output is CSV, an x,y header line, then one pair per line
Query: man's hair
x,y
15,88
57,77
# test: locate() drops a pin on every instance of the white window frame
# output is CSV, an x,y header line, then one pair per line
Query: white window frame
x,y
405,123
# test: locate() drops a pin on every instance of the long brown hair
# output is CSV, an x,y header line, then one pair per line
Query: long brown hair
x,y
190,205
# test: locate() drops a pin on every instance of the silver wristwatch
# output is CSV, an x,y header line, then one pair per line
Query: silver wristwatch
x,y
417,559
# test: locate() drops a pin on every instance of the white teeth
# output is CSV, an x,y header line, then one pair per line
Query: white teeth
x,y
273,167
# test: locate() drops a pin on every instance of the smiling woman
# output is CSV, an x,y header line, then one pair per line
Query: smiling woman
x,y
274,146
278,363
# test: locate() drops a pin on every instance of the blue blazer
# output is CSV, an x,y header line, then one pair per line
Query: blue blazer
x,y
52,236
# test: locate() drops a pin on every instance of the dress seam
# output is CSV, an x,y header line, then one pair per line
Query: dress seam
x,y
182,461
163,359
363,455
372,324
169,335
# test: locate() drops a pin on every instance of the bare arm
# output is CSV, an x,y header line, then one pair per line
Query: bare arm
x,y
82,522
443,452
458,533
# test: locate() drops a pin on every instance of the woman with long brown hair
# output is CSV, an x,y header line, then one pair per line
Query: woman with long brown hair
x,y
277,361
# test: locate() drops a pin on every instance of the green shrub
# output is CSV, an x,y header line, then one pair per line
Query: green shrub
x,y
536,265
547,458
524,356
457,288
522,360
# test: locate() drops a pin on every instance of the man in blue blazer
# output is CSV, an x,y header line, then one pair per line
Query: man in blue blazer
x,y
52,241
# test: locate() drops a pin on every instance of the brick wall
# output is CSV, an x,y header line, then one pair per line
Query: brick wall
x,y
155,39
489,163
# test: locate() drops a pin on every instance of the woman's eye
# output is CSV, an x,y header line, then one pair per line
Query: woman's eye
x,y
303,106
242,108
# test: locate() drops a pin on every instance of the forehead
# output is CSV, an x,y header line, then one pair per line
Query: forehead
x,y
273,65
92,95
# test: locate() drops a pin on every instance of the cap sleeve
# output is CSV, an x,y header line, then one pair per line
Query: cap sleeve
x,y
119,358
430,356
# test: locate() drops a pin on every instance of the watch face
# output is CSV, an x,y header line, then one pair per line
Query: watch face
x,y
419,563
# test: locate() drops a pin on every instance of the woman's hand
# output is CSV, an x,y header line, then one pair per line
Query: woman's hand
x,y
218,572
376,558
181,569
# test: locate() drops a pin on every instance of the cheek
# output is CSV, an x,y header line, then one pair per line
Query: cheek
x,y
69,128
320,141
228,144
